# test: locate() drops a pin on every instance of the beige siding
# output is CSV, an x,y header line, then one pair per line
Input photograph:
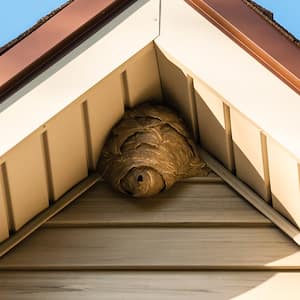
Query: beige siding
x,y
199,240
284,177
259,95
4,226
78,101
143,80
248,154
214,128
105,107
150,285
26,180
67,149
178,90
79,70
57,156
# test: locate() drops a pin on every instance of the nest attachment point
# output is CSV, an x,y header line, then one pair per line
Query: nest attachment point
x,y
148,151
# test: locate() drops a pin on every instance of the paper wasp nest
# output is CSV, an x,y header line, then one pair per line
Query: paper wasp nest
x,y
148,151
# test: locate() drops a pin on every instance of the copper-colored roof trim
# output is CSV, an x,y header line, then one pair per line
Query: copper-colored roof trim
x,y
69,25
268,16
39,23
54,37
255,35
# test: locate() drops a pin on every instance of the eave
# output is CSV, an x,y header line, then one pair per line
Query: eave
x,y
90,65
55,37
250,31
233,18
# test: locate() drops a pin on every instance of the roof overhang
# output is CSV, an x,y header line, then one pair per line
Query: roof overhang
x,y
250,31
53,39
77,20
238,90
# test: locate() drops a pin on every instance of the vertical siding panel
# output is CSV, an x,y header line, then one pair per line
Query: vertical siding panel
x,y
67,149
143,77
26,180
125,89
4,224
105,109
176,88
49,176
228,138
214,136
265,158
193,108
284,180
248,154
88,137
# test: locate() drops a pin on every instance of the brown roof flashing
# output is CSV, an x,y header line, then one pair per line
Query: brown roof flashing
x,y
39,23
253,33
71,24
56,35
268,16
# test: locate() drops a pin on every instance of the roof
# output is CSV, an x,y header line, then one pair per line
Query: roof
x,y
60,33
264,42
76,19
269,17
6,46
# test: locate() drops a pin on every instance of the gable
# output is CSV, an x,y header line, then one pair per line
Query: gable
x,y
137,57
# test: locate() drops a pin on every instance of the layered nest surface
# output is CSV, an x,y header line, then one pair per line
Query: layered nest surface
x,y
148,151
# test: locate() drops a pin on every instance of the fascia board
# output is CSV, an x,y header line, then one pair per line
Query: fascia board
x,y
52,39
50,92
244,83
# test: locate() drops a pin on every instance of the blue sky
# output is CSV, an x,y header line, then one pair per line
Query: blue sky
x,y
16,16
286,13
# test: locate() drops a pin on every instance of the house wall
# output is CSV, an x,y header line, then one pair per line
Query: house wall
x,y
45,155
222,131
4,225
247,117
52,130
57,156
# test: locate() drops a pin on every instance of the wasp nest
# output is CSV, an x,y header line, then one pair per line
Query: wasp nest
x,y
148,151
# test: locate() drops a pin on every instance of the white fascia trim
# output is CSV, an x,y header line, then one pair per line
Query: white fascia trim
x,y
233,73
57,87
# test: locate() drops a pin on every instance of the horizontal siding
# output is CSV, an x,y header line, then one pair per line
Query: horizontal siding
x,y
136,285
154,248
185,205
147,246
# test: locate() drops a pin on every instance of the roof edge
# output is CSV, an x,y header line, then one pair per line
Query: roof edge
x,y
52,39
39,23
282,60
269,17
